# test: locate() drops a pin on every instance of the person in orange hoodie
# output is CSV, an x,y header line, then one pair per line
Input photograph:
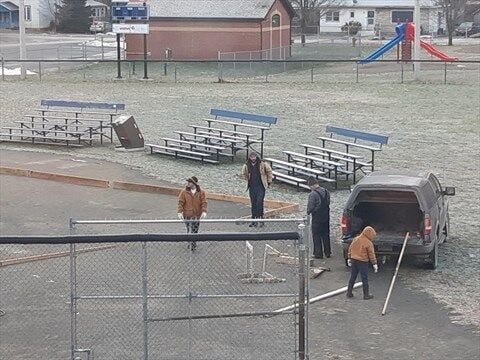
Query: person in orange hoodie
x,y
360,253
192,205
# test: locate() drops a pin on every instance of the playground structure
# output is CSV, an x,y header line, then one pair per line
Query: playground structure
x,y
405,36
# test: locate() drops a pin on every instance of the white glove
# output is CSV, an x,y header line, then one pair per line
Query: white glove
x,y
204,215
349,263
375,268
180,216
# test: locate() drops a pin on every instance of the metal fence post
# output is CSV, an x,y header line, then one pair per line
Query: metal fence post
x,y
311,75
401,62
73,295
103,49
301,291
357,74
3,69
40,70
266,71
307,242
175,73
145,300
220,72
445,73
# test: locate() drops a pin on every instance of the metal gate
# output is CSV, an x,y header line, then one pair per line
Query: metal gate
x,y
237,294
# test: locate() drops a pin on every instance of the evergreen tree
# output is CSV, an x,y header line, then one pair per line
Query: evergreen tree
x,y
73,16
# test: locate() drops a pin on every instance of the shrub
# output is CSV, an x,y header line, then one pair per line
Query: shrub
x,y
352,27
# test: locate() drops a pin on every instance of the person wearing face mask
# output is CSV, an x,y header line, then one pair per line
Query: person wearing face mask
x,y
192,206
258,175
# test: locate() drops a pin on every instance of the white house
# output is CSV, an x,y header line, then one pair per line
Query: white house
x,y
39,13
381,16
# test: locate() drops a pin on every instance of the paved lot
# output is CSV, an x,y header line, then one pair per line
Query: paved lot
x,y
415,327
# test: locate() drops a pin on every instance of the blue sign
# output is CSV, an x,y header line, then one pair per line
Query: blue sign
x,y
130,12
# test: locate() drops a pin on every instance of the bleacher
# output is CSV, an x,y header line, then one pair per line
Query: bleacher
x,y
218,138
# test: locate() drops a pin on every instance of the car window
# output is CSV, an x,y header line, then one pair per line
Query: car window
x,y
435,183
429,194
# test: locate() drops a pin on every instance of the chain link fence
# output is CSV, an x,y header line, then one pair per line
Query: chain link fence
x,y
150,295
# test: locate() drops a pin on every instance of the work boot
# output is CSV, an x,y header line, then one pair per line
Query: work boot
x,y
366,293
350,291
261,224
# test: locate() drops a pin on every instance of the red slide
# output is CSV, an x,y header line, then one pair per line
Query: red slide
x,y
435,52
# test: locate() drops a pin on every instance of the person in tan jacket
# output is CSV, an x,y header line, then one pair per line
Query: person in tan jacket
x,y
360,253
192,205
258,175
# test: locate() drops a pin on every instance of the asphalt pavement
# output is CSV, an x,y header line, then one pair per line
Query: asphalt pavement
x,y
415,326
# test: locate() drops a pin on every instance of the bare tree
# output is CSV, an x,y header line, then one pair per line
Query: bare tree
x,y
49,8
306,8
453,10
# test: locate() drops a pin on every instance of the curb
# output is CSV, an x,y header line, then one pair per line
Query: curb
x,y
275,207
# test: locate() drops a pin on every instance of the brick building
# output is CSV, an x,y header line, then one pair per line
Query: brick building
x,y
201,29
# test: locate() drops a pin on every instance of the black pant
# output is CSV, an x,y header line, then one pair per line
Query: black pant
x,y
192,226
257,194
362,268
321,237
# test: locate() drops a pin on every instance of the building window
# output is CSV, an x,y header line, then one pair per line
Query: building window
x,y
28,13
370,17
332,16
402,16
276,20
352,14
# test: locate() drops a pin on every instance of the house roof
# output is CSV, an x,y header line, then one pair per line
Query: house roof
x,y
387,4
94,3
9,5
214,9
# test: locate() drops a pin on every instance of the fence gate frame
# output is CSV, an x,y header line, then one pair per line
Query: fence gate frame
x,y
300,307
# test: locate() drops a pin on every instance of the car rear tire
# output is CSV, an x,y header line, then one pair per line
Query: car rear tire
x,y
432,261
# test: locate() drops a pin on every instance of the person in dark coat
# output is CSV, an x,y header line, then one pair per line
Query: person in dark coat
x,y
319,207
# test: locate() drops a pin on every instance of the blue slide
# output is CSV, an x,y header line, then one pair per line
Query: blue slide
x,y
400,30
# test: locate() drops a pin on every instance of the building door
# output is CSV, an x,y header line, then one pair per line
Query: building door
x,y
276,51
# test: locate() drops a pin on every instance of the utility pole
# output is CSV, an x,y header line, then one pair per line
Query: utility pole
x,y
21,30
416,42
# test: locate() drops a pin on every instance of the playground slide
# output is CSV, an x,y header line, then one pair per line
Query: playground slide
x,y
435,52
383,49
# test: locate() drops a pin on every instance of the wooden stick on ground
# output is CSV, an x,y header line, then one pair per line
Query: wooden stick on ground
x,y
395,274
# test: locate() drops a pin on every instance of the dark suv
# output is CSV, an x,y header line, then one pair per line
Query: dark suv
x,y
395,203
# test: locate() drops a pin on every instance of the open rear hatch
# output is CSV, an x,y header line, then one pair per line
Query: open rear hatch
x,y
391,213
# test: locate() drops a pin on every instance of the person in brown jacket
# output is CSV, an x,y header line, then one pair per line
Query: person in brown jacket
x,y
192,206
360,253
258,175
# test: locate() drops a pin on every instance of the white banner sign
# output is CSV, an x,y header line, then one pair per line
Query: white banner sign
x,y
130,28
